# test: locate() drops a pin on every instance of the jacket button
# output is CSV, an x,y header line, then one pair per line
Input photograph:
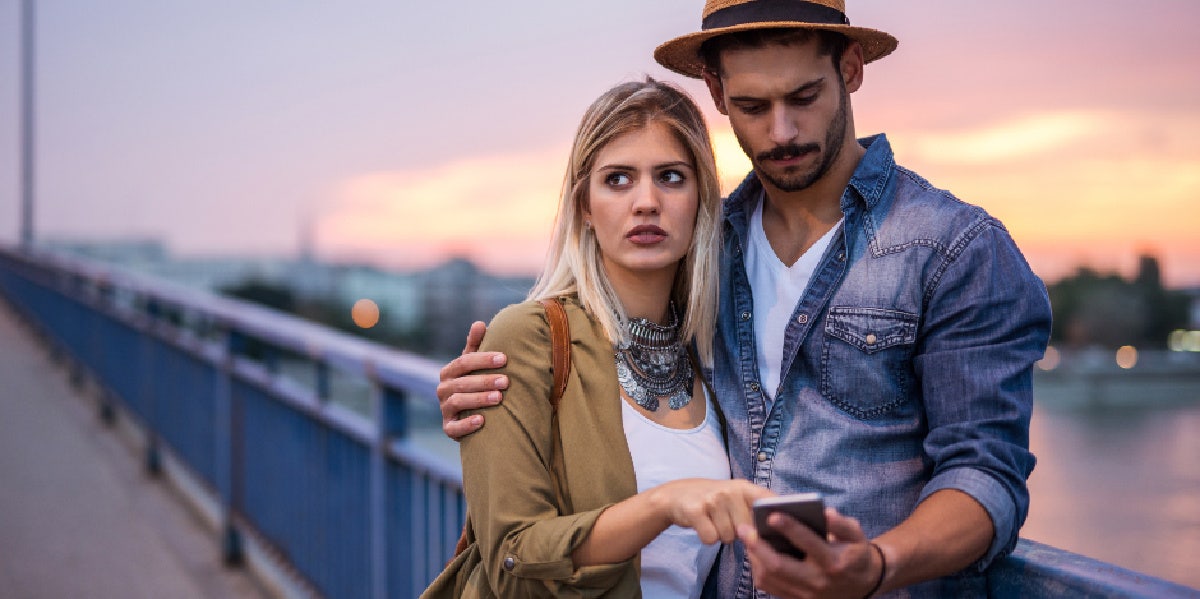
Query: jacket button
x,y
509,562
871,339
754,386
802,319
762,456
745,315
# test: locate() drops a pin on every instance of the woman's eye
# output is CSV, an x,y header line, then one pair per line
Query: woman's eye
x,y
616,179
672,177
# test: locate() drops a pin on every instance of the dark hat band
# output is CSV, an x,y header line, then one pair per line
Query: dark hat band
x,y
767,11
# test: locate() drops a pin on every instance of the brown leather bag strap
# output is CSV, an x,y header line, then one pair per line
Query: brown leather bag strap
x,y
560,345
560,364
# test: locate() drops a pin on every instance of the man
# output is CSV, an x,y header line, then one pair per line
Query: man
x,y
876,335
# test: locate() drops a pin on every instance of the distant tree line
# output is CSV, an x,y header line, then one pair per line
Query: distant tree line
x,y
1106,310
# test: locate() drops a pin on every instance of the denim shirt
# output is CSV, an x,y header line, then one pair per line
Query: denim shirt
x,y
907,365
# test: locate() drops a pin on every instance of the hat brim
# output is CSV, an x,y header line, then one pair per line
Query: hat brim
x,y
682,54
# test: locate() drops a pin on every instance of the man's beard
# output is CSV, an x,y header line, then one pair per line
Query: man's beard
x,y
834,141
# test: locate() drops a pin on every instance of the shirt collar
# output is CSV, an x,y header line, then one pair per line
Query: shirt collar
x,y
874,169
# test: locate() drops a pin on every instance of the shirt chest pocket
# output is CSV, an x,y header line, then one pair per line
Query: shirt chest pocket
x,y
866,364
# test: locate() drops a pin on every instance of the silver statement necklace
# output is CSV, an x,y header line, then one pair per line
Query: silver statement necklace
x,y
653,365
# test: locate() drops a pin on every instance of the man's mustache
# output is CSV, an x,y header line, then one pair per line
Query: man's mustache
x,y
788,151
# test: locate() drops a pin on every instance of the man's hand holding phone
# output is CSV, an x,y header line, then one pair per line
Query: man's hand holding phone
x,y
838,559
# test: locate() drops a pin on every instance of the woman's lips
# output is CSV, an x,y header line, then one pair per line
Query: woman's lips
x,y
646,235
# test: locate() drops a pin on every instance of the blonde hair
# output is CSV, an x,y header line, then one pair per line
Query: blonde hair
x,y
573,264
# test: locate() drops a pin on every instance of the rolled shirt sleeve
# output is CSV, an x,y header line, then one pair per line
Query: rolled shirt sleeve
x,y
987,322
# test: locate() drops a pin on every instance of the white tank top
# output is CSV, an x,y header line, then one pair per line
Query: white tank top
x,y
676,563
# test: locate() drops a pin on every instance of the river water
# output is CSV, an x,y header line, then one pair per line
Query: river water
x,y
1121,485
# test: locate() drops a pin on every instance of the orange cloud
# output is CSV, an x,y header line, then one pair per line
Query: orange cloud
x,y
1022,138
1092,187
496,210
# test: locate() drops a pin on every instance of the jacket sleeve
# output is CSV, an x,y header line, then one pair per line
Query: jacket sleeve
x,y
525,544
987,320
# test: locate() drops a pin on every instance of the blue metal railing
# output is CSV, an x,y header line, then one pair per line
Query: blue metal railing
x,y
243,397
302,433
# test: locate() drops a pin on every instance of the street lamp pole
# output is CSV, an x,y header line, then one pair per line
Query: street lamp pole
x,y
27,129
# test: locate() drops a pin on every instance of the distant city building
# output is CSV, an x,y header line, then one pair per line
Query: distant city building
x,y
1194,311
456,294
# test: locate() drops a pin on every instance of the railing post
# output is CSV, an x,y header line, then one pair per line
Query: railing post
x,y
231,542
322,381
153,457
101,293
390,412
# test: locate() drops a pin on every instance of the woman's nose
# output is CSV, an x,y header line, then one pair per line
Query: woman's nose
x,y
646,199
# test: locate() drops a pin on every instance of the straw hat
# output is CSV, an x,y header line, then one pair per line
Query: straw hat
x,y
720,17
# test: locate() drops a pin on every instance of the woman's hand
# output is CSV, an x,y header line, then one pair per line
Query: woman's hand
x,y
713,508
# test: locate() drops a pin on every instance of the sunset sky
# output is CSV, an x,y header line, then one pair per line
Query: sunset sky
x,y
401,133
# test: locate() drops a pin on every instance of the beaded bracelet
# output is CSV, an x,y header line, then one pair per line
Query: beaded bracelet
x,y
882,571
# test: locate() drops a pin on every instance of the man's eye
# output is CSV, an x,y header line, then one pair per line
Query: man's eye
x,y
752,108
672,177
616,179
804,100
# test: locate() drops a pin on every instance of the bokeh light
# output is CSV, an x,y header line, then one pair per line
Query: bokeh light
x,y
1050,359
1127,356
365,313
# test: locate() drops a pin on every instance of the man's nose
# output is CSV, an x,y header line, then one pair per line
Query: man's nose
x,y
783,127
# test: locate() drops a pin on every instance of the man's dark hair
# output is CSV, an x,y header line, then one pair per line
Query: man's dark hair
x,y
830,43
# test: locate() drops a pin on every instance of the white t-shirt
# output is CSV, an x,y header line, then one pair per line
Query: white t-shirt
x,y
676,563
777,289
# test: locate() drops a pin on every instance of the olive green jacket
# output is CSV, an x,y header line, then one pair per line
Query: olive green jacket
x,y
522,540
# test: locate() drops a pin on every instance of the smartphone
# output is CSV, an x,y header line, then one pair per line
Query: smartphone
x,y
808,508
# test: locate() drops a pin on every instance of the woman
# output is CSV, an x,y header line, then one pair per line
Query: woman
x,y
643,464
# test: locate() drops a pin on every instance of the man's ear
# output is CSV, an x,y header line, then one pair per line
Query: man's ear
x,y
852,67
713,81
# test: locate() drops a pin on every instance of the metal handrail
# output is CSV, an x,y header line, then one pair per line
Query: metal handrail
x,y
355,507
